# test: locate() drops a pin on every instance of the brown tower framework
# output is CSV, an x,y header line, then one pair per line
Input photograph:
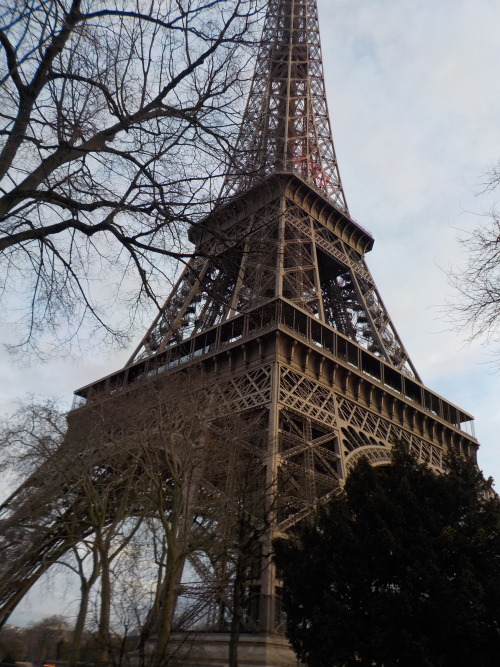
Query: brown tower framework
x,y
281,310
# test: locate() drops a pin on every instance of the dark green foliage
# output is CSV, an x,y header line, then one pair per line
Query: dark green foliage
x,y
402,569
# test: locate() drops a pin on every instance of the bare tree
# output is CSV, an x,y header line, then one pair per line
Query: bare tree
x,y
79,492
477,306
32,455
81,554
110,502
203,479
158,459
115,124
247,553
48,639
165,430
164,469
13,647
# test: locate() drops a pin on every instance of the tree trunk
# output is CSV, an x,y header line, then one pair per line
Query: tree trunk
x,y
79,625
85,588
167,609
104,616
234,631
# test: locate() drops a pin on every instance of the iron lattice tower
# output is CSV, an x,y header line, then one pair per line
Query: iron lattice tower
x,y
280,309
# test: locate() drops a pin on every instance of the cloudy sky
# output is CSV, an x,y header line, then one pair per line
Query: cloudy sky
x,y
414,96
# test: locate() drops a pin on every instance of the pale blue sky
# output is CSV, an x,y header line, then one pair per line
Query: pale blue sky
x,y
414,96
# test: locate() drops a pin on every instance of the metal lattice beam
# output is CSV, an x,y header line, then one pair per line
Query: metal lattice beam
x,y
286,126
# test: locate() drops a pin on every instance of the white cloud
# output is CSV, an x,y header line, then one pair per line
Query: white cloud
x,y
415,102
414,95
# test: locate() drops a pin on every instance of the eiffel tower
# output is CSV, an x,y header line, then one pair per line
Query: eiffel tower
x,y
281,310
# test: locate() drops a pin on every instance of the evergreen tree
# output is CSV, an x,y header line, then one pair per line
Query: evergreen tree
x,y
401,569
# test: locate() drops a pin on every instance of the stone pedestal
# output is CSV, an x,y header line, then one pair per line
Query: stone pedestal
x,y
211,650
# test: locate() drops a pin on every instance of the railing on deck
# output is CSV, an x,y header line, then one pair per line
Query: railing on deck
x,y
283,314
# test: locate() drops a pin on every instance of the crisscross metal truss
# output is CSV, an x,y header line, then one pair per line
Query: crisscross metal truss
x,y
322,435
364,427
286,126
327,277
304,453
285,252
303,395
309,466
357,426
245,391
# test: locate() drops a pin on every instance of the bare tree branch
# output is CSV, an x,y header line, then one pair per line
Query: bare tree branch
x,y
476,307
123,117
